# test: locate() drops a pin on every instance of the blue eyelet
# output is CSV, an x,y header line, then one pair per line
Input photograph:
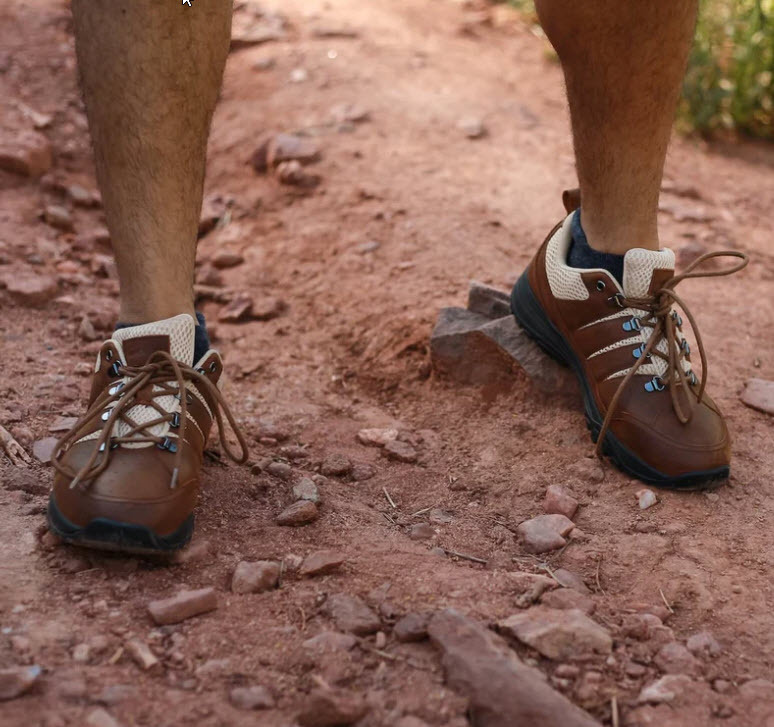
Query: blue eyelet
x,y
168,444
633,324
655,384
686,347
175,423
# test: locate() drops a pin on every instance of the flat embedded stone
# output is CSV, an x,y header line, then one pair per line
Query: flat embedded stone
x,y
759,394
558,634
501,689
321,562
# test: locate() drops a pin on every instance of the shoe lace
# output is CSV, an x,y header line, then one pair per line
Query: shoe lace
x,y
659,317
156,375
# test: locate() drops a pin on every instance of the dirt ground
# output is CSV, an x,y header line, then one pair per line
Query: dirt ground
x,y
407,211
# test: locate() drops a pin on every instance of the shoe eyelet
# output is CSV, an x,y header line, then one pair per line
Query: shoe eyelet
x,y
168,444
201,371
105,416
113,371
655,384
175,423
213,367
600,285
616,299
109,355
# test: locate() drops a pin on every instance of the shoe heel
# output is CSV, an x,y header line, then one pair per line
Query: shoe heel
x,y
530,315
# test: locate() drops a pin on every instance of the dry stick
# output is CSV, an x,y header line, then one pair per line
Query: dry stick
x,y
599,585
388,518
614,710
547,569
666,603
465,556
389,499
420,512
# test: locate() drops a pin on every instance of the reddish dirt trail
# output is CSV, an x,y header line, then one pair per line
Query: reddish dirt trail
x,y
351,352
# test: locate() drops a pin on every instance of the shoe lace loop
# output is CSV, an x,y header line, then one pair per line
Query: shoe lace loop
x,y
156,375
659,317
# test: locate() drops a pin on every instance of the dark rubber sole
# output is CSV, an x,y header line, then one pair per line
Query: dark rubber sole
x,y
105,534
532,318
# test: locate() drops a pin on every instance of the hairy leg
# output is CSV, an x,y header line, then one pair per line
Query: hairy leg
x,y
151,72
623,63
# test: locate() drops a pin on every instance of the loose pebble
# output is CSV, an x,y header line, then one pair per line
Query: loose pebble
x,y
255,697
376,437
299,513
352,615
646,498
558,501
305,489
335,465
411,627
331,708
100,718
183,606
421,531
17,680
472,127
255,577
400,451
544,533
321,562
141,653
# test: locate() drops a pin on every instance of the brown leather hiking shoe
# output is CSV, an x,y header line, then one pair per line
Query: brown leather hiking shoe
x,y
128,471
645,406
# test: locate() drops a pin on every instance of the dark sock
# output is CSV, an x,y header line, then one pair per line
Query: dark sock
x,y
201,339
582,255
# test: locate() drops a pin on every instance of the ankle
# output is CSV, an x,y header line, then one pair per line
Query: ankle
x,y
617,236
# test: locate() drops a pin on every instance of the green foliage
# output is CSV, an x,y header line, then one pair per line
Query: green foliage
x,y
729,80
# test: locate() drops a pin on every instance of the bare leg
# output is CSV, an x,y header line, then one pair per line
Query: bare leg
x,y
623,62
151,72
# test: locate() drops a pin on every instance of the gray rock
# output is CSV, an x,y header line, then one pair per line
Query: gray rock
x,y
474,349
305,489
558,634
352,615
503,691
488,301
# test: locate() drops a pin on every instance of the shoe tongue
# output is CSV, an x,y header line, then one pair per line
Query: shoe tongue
x,y
174,335
641,266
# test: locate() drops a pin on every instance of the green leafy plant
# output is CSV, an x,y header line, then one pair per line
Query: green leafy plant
x,y
728,84
729,81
